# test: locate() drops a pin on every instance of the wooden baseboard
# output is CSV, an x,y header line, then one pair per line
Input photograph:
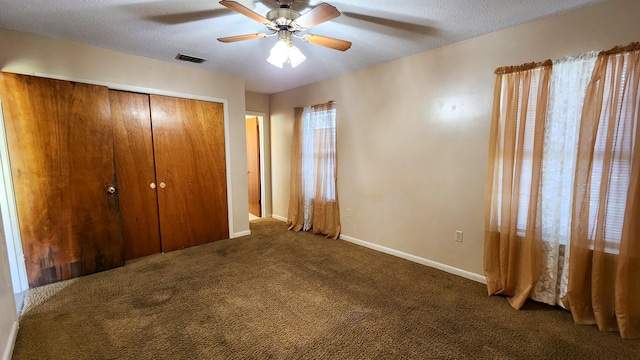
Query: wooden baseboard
x,y
278,217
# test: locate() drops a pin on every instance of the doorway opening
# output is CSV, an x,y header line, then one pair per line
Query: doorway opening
x,y
255,164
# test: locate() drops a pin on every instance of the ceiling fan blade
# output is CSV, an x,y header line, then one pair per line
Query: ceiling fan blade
x,y
317,15
230,39
237,7
332,43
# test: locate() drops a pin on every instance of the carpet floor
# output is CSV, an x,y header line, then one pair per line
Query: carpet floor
x,y
277,294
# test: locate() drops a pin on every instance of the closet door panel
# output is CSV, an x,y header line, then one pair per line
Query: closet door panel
x,y
135,169
188,138
61,151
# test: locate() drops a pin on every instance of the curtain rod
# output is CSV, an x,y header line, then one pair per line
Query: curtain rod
x,y
523,67
634,46
330,102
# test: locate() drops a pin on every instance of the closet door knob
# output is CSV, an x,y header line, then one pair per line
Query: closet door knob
x,y
152,185
162,185
111,190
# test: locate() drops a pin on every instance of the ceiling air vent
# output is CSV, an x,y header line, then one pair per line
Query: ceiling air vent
x,y
192,59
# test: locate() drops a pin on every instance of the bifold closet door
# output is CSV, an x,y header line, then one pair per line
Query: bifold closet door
x,y
61,151
135,168
189,149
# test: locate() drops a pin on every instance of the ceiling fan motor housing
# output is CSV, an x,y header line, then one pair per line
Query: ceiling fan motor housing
x,y
283,18
284,3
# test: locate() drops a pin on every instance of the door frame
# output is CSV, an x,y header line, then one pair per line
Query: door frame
x,y
9,211
263,191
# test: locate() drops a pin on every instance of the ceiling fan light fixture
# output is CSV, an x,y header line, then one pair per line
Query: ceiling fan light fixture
x,y
284,51
295,56
279,53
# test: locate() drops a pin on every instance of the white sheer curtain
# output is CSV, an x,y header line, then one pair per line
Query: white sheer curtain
x,y
569,79
308,165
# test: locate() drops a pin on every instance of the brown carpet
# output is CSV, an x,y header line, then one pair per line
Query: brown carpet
x,y
283,295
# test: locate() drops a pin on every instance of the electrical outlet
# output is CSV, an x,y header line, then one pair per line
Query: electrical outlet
x,y
349,213
459,235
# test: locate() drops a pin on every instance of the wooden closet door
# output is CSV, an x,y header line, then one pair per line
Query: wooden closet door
x,y
188,140
135,169
61,152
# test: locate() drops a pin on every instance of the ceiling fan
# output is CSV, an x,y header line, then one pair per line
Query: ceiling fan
x,y
286,23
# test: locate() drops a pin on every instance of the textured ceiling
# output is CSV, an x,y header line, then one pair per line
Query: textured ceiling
x,y
381,31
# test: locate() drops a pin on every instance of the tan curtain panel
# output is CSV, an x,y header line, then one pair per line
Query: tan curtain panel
x,y
512,254
604,263
296,190
313,203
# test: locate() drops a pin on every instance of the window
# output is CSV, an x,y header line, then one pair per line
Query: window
x,y
313,201
568,85
319,150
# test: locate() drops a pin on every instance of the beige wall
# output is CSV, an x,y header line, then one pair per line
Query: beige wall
x,y
259,103
30,54
413,133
